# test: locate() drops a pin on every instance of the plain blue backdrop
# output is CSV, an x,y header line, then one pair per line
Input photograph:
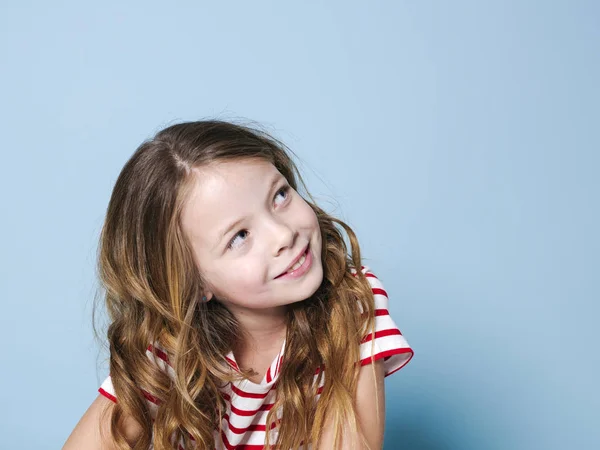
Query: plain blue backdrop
x,y
459,139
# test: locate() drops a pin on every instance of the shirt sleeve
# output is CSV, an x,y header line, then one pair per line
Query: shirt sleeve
x,y
389,343
107,390
158,357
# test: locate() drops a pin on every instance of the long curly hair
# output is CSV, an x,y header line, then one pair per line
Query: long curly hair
x,y
152,288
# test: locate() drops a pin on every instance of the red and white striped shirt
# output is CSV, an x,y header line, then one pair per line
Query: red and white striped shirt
x,y
248,403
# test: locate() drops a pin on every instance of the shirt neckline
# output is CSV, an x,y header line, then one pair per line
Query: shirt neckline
x,y
272,372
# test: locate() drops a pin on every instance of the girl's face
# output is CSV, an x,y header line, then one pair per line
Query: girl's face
x,y
246,226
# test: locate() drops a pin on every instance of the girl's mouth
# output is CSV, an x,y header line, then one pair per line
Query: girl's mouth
x,y
300,267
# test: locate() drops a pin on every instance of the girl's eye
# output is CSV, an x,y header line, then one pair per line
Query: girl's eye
x,y
285,190
230,245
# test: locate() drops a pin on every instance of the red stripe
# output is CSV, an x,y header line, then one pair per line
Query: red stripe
x,y
388,353
255,427
107,395
237,430
378,312
244,412
144,393
245,394
379,291
382,333
239,447
366,274
150,397
162,355
269,374
405,363
232,363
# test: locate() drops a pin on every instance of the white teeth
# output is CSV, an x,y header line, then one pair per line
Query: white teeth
x,y
298,264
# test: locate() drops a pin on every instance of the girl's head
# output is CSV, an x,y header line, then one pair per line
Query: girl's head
x,y
246,224
210,209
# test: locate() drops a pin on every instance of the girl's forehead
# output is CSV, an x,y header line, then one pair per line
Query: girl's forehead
x,y
234,168
226,178
224,192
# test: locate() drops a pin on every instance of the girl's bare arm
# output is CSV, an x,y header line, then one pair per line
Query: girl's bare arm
x,y
370,407
92,430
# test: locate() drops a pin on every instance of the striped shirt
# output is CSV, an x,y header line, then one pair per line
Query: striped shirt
x,y
243,427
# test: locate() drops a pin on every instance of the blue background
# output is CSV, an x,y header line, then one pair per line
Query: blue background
x,y
459,139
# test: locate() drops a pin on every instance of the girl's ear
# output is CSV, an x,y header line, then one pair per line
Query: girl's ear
x,y
206,297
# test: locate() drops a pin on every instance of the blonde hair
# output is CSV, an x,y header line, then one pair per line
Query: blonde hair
x,y
153,292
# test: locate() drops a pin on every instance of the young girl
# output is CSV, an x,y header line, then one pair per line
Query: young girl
x,y
238,319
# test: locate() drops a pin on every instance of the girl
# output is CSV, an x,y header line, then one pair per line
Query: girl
x,y
238,320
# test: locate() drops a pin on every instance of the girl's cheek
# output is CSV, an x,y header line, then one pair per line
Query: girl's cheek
x,y
307,211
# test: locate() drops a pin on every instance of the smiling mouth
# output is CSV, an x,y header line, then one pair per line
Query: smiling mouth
x,y
303,255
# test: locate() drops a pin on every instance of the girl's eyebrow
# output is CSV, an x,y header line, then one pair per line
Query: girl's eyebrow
x,y
227,229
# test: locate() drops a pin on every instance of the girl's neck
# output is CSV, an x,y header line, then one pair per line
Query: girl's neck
x,y
262,331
